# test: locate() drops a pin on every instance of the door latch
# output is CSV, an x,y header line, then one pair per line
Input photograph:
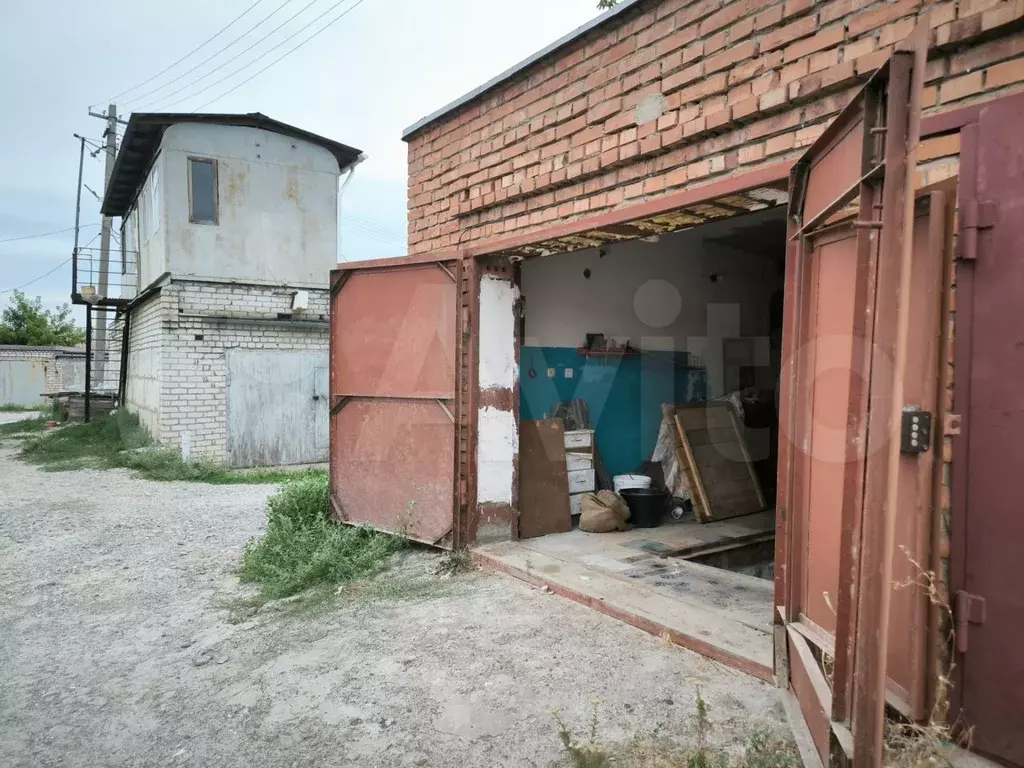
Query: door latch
x,y
915,430
969,609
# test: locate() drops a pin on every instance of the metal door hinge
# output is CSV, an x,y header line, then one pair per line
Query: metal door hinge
x,y
968,609
974,215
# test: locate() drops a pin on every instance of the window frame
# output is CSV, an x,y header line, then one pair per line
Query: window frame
x,y
216,197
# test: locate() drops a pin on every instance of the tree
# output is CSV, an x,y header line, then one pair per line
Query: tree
x,y
604,5
24,321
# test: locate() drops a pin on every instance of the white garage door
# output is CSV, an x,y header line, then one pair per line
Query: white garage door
x,y
277,408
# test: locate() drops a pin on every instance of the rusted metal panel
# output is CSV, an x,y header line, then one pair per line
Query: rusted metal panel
x,y
842,243
909,607
392,466
397,331
816,716
989,454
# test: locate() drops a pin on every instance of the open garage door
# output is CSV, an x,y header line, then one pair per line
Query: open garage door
x,y
848,498
399,361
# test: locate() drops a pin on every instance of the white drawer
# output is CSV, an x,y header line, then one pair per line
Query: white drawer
x,y
581,480
578,461
574,503
579,438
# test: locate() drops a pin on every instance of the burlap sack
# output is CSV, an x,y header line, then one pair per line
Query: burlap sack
x,y
603,512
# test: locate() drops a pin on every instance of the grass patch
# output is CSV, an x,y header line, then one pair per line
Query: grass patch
x,y
119,440
762,749
13,408
23,426
302,549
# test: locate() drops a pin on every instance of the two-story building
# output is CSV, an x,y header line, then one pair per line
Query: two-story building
x,y
230,224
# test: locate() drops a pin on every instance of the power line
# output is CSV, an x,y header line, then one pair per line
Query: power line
x,y
282,56
220,66
36,280
44,234
194,50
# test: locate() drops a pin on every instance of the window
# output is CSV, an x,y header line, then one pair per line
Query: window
x,y
202,190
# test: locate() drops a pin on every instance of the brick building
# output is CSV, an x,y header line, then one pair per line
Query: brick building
x,y
229,231
811,203
27,374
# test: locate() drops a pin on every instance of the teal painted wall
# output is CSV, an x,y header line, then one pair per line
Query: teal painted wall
x,y
624,395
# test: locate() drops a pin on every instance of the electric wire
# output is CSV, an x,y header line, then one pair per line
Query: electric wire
x,y
190,53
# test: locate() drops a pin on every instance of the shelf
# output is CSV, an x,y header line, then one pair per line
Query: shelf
x,y
584,352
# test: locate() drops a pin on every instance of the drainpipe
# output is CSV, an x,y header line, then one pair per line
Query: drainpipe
x,y
341,194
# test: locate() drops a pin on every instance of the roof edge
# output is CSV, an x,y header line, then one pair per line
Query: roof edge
x,y
529,61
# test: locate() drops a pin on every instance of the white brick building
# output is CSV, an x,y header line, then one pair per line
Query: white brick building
x,y
234,220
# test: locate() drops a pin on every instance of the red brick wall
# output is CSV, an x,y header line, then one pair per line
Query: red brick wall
x,y
737,83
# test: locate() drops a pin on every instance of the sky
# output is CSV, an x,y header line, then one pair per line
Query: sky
x,y
379,68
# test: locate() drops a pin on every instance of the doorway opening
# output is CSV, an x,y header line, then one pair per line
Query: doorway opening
x,y
619,344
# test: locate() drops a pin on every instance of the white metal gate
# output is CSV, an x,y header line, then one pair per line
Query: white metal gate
x,y
22,382
277,408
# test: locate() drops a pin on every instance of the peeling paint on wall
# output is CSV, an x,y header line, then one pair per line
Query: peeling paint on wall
x,y
498,369
498,441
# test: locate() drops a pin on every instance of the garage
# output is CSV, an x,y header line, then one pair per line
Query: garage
x,y
615,276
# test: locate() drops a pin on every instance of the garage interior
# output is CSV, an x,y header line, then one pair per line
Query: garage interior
x,y
615,341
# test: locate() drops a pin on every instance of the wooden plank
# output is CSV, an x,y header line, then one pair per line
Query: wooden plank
x,y
705,416
747,460
544,481
710,436
686,623
723,474
701,507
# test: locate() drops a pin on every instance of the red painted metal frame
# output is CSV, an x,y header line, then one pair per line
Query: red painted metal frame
x,y
402,395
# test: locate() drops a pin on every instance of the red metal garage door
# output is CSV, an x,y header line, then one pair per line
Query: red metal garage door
x,y
846,348
396,344
987,571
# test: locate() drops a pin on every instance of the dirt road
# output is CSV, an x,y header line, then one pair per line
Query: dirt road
x,y
116,649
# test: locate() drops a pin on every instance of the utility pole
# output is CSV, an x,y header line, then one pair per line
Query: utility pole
x,y
102,285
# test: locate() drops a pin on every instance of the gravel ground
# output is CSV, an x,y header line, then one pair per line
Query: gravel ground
x,y
116,649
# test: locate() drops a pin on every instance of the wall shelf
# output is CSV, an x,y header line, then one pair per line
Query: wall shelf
x,y
585,352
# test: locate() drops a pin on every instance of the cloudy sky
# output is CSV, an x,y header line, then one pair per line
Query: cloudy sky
x,y
376,70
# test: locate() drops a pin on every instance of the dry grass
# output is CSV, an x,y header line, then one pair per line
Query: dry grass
x,y
763,749
933,743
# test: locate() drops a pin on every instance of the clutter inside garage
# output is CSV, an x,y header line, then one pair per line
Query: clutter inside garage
x,y
649,374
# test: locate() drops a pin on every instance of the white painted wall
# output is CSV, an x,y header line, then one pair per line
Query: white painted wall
x,y
277,206
497,447
498,367
659,295
146,229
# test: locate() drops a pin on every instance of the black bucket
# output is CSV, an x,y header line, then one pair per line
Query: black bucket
x,y
646,506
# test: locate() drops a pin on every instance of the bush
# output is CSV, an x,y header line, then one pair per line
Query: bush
x,y
302,548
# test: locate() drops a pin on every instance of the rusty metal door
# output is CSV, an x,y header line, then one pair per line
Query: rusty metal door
x,y
987,570
848,269
396,368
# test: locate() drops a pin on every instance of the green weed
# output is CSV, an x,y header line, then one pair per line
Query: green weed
x,y
24,426
302,548
119,440
14,408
